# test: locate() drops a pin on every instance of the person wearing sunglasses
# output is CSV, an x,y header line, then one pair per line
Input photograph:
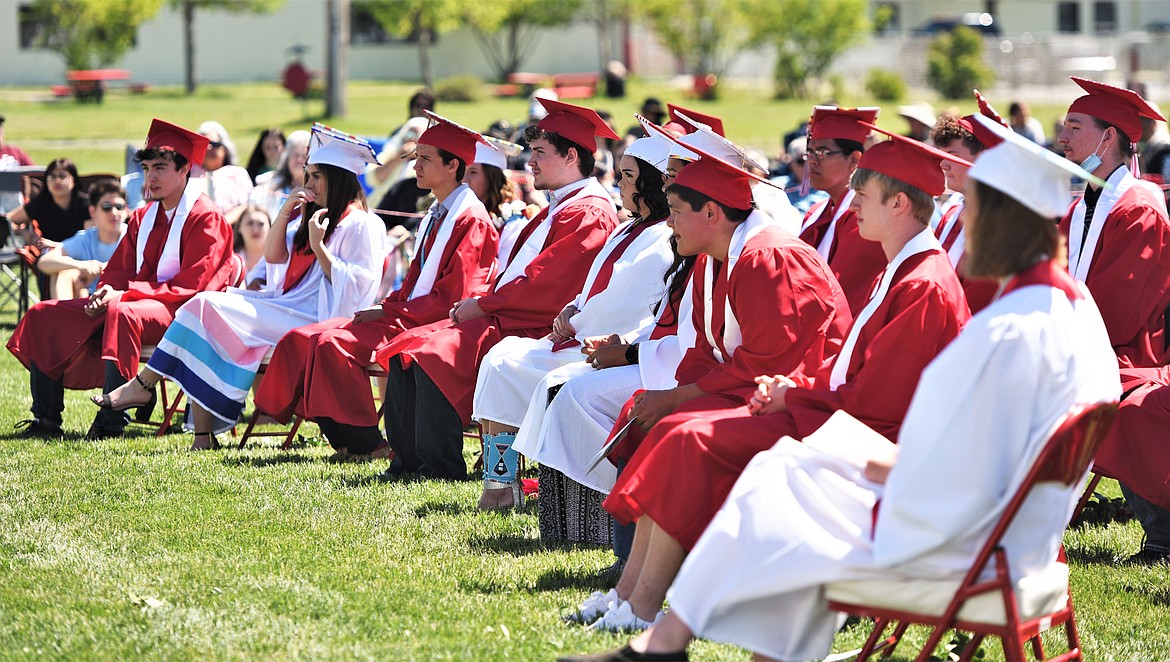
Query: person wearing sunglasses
x,y
79,260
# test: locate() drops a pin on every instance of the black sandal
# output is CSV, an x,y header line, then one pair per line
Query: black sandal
x,y
105,403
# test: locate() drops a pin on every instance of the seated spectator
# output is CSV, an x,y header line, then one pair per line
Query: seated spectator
x,y
391,190
77,262
274,187
176,246
252,237
11,155
1022,122
227,185
58,212
324,258
804,515
266,154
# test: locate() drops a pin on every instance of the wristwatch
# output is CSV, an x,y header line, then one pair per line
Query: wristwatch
x,y
632,353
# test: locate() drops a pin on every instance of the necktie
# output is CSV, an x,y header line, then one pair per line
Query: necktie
x,y
438,213
1089,209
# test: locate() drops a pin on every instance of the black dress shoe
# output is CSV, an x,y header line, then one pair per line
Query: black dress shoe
x,y
1149,557
625,653
34,428
98,432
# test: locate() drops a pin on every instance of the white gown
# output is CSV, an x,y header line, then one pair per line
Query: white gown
x,y
218,339
799,517
512,369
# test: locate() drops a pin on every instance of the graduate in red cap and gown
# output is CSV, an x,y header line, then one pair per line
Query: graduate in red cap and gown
x,y
175,246
873,377
319,371
836,141
1118,238
764,302
432,368
1118,234
965,138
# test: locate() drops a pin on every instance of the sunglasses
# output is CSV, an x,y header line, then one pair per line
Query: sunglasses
x,y
107,206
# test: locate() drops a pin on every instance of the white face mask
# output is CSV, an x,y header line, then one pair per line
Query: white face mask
x,y
1092,162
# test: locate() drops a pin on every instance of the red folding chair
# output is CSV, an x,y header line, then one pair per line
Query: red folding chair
x,y
1015,612
171,402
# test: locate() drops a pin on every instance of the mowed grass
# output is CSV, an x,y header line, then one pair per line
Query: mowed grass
x,y
135,548
95,135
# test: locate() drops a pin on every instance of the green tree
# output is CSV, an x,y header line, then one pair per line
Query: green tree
x,y
419,19
89,34
955,63
188,7
706,35
807,35
506,30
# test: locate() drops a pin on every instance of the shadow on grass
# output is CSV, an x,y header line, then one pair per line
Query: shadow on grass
x,y
1157,595
555,579
443,508
268,461
1099,555
520,545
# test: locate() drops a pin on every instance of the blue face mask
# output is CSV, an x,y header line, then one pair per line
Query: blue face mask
x,y
1093,161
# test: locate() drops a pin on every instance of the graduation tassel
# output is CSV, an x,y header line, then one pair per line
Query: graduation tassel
x,y
1133,161
806,180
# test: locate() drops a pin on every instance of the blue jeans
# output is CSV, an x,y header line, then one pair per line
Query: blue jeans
x,y
623,534
1155,521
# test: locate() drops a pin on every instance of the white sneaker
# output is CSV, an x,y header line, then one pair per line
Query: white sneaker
x,y
594,607
621,618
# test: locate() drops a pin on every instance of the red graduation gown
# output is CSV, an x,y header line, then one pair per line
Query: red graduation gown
x,y
856,262
317,371
450,353
793,317
921,313
1135,452
69,346
1129,276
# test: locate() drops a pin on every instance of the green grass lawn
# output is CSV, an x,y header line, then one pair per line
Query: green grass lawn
x,y
135,548
94,135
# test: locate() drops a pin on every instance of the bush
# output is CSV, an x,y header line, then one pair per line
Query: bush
x,y
956,64
459,89
885,85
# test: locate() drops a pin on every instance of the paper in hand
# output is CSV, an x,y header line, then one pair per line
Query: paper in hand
x,y
608,447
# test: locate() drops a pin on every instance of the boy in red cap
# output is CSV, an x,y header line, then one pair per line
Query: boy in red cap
x,y
872,378
319,371
175,246
836,141
1118,234
963,138
743,259
432,368
1119,245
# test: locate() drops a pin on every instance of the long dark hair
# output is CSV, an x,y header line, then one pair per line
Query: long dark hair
x,y
257,160
498,188
69,167
1006,237
341,189
648,191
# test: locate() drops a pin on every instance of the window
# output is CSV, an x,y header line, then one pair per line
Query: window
x,y
1104,17
31,28
1068,17
364,28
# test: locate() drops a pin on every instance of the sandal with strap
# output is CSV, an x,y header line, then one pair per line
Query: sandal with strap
x,y
105,402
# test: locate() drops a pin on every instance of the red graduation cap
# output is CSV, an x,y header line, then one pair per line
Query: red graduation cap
x,y
578,124
718,180
831,122
909,162
164,135
1116,105
715,123
453,137
986,109
981,133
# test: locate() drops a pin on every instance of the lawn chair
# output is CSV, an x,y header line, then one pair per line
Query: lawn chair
x,y
1013,611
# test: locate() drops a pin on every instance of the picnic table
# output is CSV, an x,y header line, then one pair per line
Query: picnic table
x,y
91,84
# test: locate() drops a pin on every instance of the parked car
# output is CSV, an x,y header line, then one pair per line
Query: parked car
x,y
984,23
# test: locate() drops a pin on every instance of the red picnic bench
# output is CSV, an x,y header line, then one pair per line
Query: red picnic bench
x,y
567,86
91,84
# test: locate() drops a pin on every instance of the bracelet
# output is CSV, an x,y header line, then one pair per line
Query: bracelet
x,y
632,353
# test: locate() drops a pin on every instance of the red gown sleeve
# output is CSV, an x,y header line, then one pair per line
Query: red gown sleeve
x,y
204,263
469,260
556,274
884,372
786,301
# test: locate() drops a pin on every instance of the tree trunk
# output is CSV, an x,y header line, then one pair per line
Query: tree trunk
x,y
605,43
424,58
336,65
189,45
